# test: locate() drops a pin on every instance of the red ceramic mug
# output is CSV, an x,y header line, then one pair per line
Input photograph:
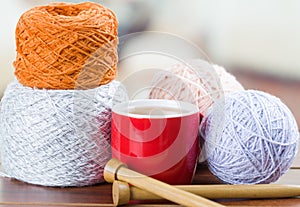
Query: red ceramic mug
x,y
158,138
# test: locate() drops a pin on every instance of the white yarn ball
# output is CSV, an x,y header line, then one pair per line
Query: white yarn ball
x,y
196,81
256,142
57,137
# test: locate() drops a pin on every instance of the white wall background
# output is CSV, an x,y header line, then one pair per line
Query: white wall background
x,y
262,35
10,12
258,34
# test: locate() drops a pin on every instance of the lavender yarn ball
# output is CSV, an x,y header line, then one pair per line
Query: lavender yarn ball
x,y
256,142
57,137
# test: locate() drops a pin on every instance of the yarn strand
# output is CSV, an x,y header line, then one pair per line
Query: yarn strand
x,y
57,137
255,143
66,46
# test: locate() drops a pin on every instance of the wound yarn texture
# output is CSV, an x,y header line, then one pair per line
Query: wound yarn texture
x,y
57,137
195,81
256,142
66,46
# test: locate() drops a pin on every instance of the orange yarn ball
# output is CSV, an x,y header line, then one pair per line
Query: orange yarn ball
x,y
66,46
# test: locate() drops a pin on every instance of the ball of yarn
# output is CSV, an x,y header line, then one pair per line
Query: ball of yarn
x,y
196,81
57,137
256,142
66,46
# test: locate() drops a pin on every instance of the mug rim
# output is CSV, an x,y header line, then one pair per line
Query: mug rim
x,y
185,108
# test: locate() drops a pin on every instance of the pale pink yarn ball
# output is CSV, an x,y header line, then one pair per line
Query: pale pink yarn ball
x,y
196,81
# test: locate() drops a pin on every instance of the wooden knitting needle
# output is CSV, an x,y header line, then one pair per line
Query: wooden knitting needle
x,y
124,193
116,170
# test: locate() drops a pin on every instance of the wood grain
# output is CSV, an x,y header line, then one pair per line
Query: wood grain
x,y
13,191
116,170
16,193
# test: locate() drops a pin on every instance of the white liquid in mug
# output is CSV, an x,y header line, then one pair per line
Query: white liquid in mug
x,y
148,110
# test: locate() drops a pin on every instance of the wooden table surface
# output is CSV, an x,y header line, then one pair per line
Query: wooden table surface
x,y
16,193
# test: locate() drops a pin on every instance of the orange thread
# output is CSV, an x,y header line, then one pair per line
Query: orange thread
x,y
66,46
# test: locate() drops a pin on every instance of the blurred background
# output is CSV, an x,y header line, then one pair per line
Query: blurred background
x,y
256,40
